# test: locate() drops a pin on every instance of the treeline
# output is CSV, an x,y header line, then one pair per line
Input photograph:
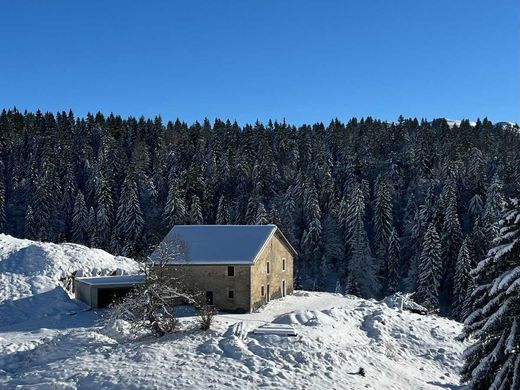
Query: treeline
x,y
372,207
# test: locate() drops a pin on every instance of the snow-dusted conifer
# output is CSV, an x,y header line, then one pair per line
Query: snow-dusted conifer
x,y
2,197
393,263
430,268
451,238
261,215
223,217
196,217
175,208
129,220
493,361
361,271
383,220
80,232
104,211
461,281
29,223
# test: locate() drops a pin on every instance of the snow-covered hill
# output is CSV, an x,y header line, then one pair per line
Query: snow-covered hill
x,y
48,341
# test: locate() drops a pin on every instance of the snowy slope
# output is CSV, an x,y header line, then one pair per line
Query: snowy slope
x,y
336,336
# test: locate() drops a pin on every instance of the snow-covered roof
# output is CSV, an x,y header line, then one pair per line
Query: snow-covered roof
x,y
120,280
218,244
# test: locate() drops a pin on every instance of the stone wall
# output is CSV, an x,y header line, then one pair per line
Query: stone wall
x,y
274,252
214,278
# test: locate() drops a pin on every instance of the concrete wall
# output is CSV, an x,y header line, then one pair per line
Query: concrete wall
x,y
82,292
274,252
214,278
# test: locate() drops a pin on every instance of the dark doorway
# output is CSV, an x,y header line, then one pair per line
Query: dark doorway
x,y
108,295
209,297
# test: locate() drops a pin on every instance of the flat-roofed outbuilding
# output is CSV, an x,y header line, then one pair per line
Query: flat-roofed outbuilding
x,y
100,291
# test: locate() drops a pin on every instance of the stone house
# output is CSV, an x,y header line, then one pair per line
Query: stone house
x,y
238,267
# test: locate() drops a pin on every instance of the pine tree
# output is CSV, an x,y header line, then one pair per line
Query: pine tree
x,y
223,217
91,227
252,208
393,263
493,207
361,271
2,197
430,268
128,230
451,239
261,215
313,230
104,213
80,231
493,361
333,246
175,208
462,281
196,217
383,220
29,223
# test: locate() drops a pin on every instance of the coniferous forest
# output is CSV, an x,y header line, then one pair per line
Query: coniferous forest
x,y
371,207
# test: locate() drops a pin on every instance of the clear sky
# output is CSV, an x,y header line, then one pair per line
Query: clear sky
x,y
305,61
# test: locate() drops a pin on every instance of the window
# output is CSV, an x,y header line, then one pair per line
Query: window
x,y
283,263
268,267
230,271
262,290
231,294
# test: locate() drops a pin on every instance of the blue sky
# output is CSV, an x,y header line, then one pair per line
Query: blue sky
x,y
305,61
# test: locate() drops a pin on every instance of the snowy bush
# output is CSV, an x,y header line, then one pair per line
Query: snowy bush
x,y
151,306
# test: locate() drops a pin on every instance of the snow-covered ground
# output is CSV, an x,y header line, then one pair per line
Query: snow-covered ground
x,y
70,348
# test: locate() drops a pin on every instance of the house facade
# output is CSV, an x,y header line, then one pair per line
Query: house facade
x,y
238,267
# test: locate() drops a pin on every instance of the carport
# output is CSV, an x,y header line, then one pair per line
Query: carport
x,y
100,291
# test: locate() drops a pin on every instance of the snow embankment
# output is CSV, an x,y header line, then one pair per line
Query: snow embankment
x,y
30,275
29,267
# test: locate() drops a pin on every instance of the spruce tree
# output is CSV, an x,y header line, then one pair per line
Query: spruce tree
x,y
128,230
493,361
462,281
223,217
2,197
175,208
196,217
451,239
430,270
261,215
80,229
361,270
393,263
383,220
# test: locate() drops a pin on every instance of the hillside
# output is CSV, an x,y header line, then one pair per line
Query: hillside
x,y
61,346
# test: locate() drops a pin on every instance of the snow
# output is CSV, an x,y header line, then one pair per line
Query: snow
x,y
69,347
113,280
28,268
219,244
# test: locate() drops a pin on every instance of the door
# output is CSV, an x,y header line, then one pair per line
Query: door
x,y
209,297
284,291
268,295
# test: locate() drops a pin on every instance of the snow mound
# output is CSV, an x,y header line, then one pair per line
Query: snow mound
x,y
304,317
395,301
28,267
